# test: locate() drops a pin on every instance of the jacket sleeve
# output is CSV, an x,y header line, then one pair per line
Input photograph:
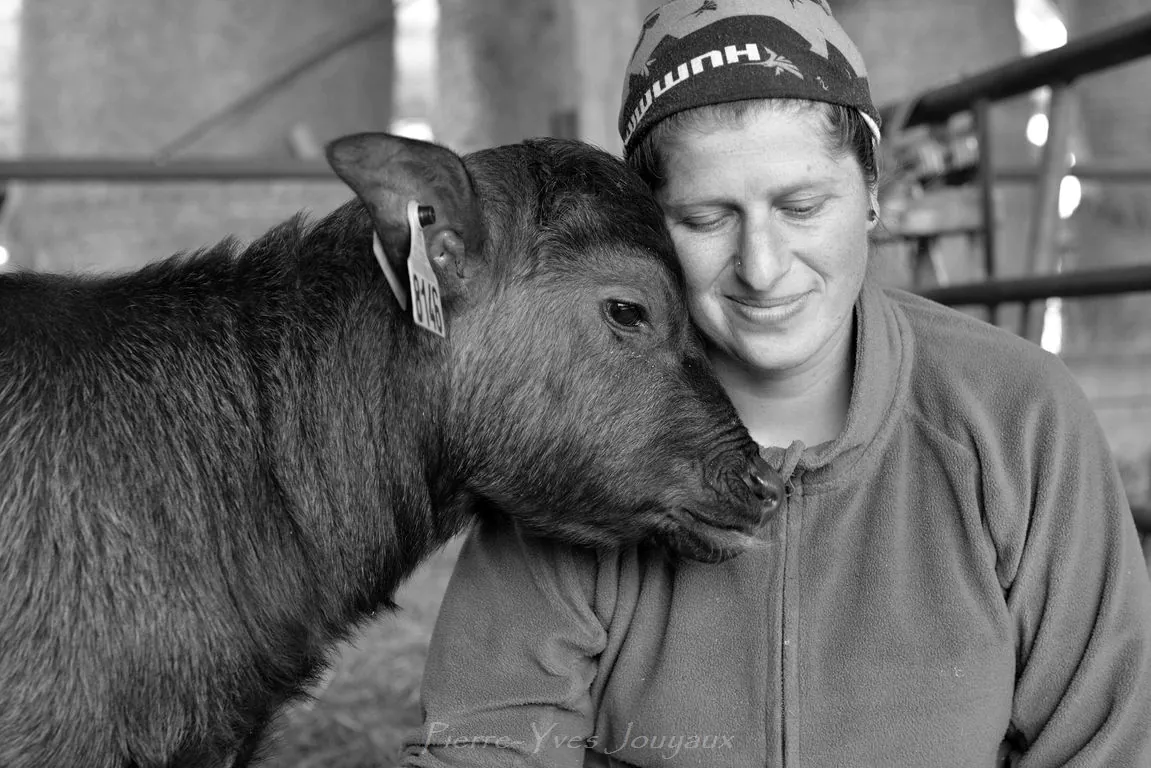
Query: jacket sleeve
x,y
512,658
1079,595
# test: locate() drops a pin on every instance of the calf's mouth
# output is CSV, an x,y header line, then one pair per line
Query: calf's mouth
x,y
706,538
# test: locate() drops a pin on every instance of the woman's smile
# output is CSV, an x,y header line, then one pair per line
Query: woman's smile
x,y
767,310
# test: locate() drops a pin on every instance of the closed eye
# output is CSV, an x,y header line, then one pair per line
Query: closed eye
x,y
703,223
802,209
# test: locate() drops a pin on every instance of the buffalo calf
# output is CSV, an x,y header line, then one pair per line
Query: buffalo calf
x,y
214,468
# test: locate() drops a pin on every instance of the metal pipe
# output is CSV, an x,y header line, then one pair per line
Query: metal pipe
x,y
1097,282
48,169
1095,170
1041,256
1102,50
981,112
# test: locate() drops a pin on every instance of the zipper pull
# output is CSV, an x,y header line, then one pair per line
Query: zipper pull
x,y
789,486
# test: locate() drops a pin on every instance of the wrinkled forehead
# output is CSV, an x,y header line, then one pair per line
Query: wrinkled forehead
x,y
572,200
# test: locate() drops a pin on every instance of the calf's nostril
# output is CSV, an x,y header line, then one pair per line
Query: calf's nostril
x,y
765,483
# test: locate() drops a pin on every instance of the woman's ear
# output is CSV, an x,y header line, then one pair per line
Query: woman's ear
x,y
873,212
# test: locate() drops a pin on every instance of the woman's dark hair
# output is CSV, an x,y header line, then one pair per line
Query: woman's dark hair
x,y
847,133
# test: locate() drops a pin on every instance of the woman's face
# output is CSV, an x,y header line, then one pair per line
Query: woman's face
x,y
771,229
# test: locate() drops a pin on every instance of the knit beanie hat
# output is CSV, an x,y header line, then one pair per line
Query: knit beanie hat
x,y
692,53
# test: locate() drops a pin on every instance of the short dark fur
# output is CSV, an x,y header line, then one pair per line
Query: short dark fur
x,y
216,467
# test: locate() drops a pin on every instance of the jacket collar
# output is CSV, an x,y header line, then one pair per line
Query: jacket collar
x,y
880,384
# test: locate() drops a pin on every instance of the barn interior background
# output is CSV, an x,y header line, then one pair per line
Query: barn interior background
x,y
130,131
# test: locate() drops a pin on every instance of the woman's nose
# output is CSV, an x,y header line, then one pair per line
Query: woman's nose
x,y
763,257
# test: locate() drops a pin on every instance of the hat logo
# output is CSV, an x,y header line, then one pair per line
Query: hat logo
x,y
774,61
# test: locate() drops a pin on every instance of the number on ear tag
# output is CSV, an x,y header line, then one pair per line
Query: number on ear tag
x,y
427,310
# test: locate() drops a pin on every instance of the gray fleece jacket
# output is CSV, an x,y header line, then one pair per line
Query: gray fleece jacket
x,y
954,581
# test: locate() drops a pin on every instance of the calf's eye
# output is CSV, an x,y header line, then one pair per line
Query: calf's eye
x,y
625,314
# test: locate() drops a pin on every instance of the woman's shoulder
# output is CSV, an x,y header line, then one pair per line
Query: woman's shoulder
x,y
1013,410
969,377
953,346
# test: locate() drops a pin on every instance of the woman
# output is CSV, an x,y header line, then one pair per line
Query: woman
x,y
954,579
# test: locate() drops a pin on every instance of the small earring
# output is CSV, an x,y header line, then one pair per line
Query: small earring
x,y
872,215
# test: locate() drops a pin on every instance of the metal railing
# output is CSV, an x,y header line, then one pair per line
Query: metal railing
x,y
1056,69
1093,53
1095,282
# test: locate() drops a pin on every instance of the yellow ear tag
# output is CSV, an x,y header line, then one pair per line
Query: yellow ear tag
x,y
426,308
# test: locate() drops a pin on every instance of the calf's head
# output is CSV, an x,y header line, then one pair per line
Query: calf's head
x,y
579,399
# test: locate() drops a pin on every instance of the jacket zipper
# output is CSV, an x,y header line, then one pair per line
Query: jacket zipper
x,y
787,657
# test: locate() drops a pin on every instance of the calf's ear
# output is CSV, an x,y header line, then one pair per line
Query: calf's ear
x,y
387,171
